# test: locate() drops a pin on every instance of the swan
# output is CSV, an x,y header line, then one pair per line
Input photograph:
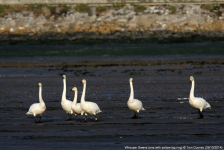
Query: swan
x,y
76,107
197,102
89,108
134,104
66,104
37,108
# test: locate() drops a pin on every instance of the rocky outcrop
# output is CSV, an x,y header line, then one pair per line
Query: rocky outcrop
x,y
155,22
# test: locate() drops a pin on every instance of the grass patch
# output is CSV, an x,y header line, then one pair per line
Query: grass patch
x,y
208,7
6,9
38,9
139,8
81,8
118,5
173,10
100,9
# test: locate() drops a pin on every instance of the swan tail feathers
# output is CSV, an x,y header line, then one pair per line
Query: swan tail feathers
x,y
99,111
208,106
143,109
28,113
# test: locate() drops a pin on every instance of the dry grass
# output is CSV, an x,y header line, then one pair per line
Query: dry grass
x,y
40,9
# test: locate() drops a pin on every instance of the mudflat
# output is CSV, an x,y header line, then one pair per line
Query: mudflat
x,y
163,88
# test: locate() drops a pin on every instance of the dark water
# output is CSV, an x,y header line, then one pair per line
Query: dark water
x,y
112,52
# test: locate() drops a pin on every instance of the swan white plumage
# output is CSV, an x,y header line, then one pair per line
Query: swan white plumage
x,y
66,104
134,104
89,108
197,102
37,108
76,107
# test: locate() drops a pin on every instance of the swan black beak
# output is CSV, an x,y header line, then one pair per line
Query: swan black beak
x,y
71,90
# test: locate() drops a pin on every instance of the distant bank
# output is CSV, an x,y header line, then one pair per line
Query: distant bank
x,y
51,2
122,21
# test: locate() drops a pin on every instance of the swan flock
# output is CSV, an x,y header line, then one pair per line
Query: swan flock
x,y
91,108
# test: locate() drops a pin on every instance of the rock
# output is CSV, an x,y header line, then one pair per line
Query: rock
x,y
122,20
98,19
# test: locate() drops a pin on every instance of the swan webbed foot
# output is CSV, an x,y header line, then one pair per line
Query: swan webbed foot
x,y
200,116
135,116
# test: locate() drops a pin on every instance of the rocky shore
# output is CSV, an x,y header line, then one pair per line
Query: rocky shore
x,y
126,23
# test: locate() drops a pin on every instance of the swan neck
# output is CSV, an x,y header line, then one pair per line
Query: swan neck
x,y
75,97
132,92
40,95
83,93
64,90
192,90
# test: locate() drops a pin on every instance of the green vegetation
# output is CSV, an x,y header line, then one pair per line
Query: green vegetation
x,y
38,9
208,7
139,8
81,8
173,10
118,5
100,9
184,13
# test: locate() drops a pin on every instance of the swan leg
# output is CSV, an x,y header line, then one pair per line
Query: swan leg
x,y
200,114
86,118
95,118
76,117
35,119
134,117
69,117
40,119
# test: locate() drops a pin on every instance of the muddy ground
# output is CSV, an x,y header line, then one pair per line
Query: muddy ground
x,y
168,120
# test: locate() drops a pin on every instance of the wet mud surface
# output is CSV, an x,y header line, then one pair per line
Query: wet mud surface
x,y
163,90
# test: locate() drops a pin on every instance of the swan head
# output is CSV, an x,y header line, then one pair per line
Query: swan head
x,y
191,78
83,81
131,79
39,84
64,77
74,89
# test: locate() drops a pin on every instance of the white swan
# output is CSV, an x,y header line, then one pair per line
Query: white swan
x,y
66,104
37,108
89,108
134,104
76,107
197,102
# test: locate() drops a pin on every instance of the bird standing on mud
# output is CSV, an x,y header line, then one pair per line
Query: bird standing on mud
x,y
66,104
89,108
76,107
134,104
37,108
197,102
